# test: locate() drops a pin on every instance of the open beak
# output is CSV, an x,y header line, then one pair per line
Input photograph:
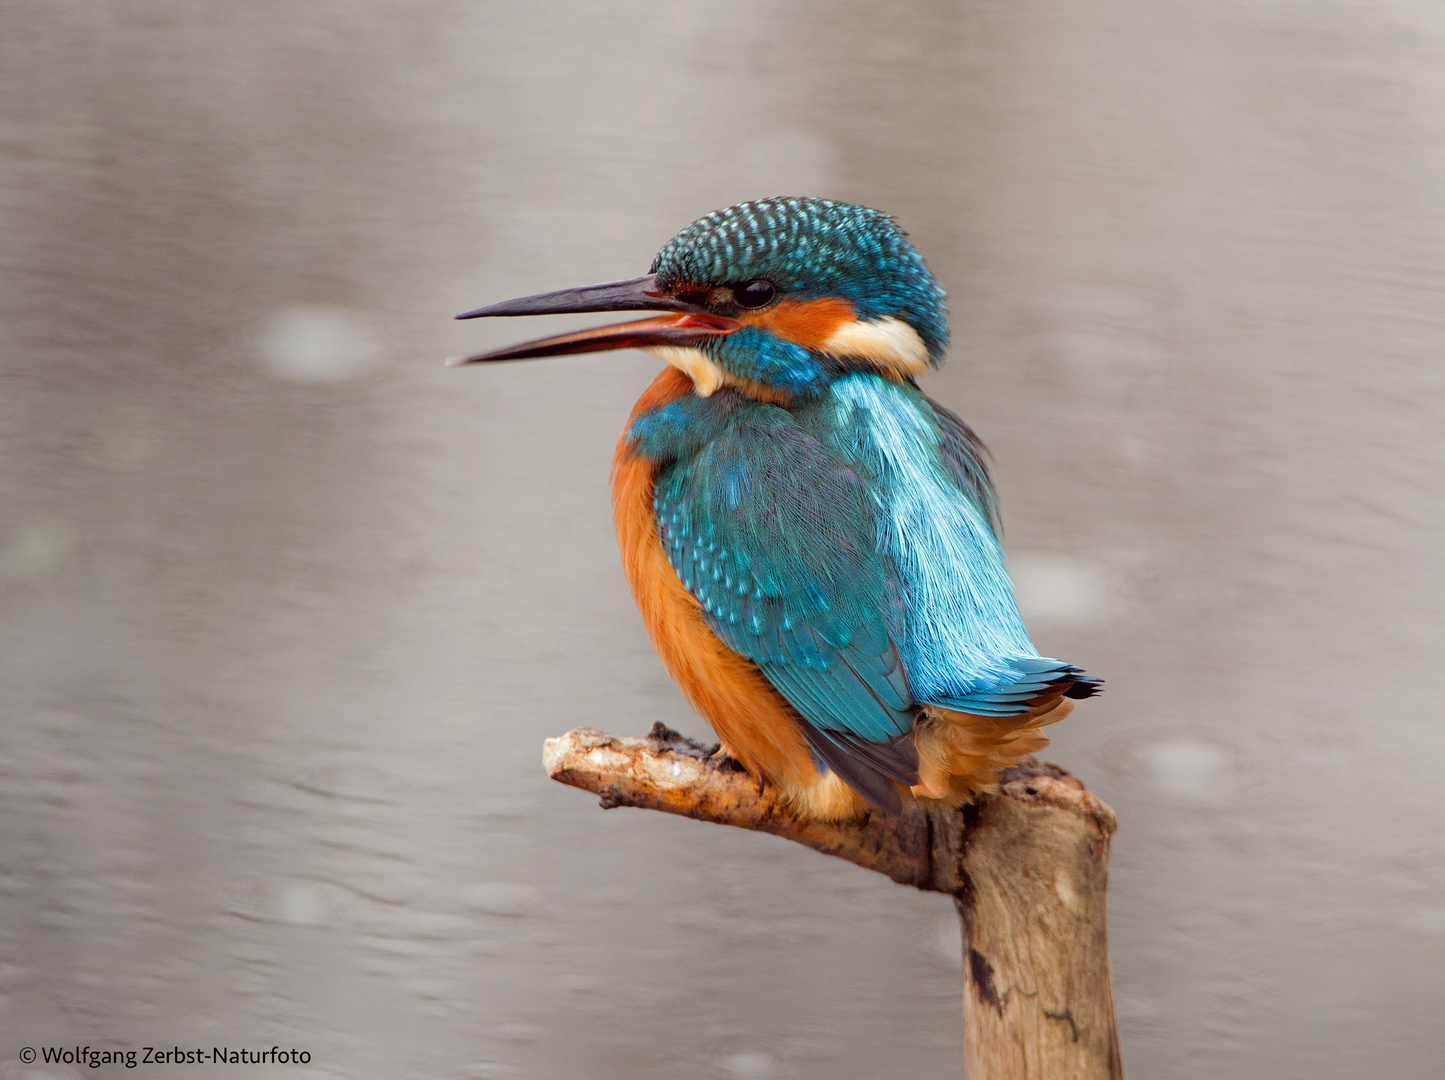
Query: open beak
x,y
686,326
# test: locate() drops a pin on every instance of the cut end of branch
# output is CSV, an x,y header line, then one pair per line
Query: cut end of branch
x,y
1046,784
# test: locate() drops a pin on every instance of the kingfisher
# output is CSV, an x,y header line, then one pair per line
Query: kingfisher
x,y
813,542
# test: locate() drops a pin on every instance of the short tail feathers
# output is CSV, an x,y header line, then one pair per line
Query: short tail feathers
x,y
965,743
963,754
1040,684
958,747
1084,688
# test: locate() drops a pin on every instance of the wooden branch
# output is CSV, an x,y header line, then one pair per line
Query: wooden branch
x,y
1027,868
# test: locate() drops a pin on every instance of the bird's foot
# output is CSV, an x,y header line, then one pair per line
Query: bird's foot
x,y
719,757
665,740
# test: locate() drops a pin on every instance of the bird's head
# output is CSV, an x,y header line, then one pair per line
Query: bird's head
x,y
777,297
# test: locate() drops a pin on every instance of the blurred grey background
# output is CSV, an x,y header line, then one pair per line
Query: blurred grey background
x,y
288,607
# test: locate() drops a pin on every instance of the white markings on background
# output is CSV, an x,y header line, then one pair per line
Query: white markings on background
x,y
317,344
37,549
1137,1008
491,1070
502,898
294,901
1189,770
302,903
750,1066
1060,591
578,982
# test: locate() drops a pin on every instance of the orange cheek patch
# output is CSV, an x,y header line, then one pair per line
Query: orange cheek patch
x,y
809,323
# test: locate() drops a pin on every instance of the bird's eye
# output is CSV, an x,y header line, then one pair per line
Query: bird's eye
x,y
755,293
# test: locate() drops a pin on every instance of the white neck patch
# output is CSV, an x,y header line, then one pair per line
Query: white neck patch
x,y
706,376
889,344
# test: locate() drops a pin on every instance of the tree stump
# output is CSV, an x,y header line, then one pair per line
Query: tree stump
x,y
1027,867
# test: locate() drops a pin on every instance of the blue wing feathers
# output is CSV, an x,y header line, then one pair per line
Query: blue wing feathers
x,y
960,633
849,548
796,524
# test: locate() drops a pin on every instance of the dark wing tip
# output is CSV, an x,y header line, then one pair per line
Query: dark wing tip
x,y
870,769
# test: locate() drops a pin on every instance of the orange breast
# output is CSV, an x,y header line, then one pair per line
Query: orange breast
x,y
750,717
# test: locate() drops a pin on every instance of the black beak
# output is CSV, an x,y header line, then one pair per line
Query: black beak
x,y
690,326
639,294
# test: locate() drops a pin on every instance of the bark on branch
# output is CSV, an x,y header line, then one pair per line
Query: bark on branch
x,y
1027,868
